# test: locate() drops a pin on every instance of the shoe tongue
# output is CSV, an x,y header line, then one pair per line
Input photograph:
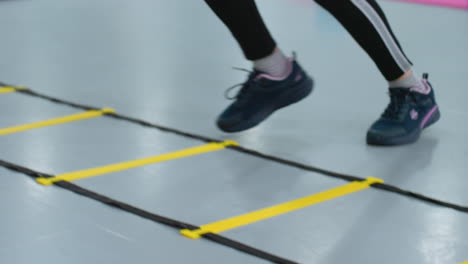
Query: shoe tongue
x,y
261,77
399,91
256,74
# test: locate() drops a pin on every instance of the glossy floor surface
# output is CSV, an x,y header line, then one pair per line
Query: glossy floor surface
x,y
169,62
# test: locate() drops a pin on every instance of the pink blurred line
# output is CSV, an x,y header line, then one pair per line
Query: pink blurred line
x,y
463,4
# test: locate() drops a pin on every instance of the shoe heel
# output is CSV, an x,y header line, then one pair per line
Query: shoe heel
x,y
434,118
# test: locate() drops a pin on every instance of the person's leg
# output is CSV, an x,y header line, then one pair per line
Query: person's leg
x,y
367,24
412,107
246,25
243,19
277,81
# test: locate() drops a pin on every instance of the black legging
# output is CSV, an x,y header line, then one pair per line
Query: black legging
x,y
364,20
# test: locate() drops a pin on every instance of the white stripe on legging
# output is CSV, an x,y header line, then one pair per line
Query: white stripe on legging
x,y
384,33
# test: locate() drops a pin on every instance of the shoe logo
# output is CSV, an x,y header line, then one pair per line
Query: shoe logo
x,y
298,77
414,114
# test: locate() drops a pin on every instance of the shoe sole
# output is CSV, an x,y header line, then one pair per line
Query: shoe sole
x,y
298,93
410,138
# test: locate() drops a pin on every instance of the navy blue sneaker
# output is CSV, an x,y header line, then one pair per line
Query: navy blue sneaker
x,y
261,95
409,112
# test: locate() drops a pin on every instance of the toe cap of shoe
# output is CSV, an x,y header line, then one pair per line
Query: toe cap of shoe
x,y
385,133
229,121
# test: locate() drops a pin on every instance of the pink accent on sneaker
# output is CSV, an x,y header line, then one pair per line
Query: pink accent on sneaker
x,y
428,116
449,3
278,78
298,77
425,91
414,114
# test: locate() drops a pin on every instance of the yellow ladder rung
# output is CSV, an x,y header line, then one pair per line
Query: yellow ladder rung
x,y
57,121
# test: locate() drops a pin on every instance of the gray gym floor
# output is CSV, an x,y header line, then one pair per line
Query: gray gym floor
x,y
169,62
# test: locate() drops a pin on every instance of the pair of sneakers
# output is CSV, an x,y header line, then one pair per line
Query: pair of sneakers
x,y
408,113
